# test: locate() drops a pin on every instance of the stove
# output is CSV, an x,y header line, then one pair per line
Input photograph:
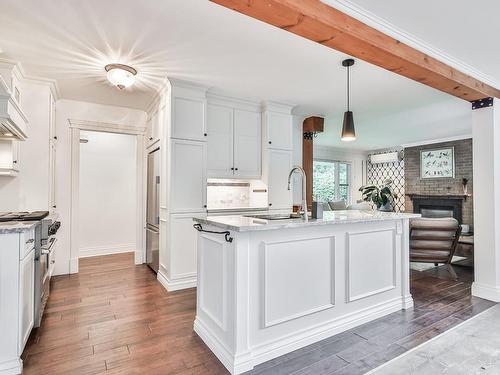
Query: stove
x,y
23,216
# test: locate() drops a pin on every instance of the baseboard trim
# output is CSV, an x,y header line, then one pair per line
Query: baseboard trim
x,y
489,292
179,284
12,367
106,250
237,364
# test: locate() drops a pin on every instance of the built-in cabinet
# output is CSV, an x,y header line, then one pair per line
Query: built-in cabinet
x,y
189,113
279,164
9,157
234,142
16,297
52,152
278,130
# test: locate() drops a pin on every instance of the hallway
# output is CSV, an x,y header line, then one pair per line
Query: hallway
x,y
115,318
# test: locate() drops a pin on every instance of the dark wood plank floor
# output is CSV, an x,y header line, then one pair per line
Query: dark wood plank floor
x,y
115,318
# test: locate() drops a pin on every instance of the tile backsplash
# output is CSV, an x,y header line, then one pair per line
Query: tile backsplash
x,y
227,194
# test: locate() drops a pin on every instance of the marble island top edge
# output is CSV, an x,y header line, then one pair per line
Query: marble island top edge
x,y
241,223
16,226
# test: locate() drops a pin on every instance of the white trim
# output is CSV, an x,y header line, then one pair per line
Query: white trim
x,y
438,140
172,285
106,127
11,367
272,349
382,25
489,292
277,107
75,127
93,251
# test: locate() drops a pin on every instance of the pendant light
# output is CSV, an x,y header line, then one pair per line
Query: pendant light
x,y
348,133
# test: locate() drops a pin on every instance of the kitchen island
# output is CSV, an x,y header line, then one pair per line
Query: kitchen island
x,y
267,287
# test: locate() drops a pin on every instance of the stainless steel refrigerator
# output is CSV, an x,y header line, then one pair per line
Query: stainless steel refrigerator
x,y
153,211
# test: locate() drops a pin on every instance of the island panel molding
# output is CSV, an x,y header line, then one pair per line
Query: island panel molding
x,y
323,24
383,252
269,263
304,284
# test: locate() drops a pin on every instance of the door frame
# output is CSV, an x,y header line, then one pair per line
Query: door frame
x,y
76,126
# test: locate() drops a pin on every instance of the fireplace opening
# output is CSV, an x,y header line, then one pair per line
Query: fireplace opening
x,y
438,206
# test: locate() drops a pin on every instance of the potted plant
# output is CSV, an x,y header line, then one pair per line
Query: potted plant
x,y
382,196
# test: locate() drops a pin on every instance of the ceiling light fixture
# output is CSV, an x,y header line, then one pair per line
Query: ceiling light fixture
x,y
120,75
348,133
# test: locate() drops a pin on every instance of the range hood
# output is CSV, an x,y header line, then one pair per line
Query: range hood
x,y
13,121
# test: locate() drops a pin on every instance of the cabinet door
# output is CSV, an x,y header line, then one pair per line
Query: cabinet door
x,y
52,173
247,144
189,118
183,246
219,141
26,297
153,128
188,176
279,130
149,131
280,164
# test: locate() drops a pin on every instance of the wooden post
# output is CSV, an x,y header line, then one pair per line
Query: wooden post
x,y
311,126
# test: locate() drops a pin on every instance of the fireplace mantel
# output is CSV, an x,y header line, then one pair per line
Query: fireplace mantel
x,y
438,196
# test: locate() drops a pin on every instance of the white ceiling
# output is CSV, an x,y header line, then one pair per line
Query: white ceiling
x,y
195,40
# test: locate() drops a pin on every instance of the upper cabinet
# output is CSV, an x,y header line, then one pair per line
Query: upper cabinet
x,y
278,128
13,121
9,157
234,140
247,144
189,106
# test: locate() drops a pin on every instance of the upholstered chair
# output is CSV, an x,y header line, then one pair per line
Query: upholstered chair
x,y
434,240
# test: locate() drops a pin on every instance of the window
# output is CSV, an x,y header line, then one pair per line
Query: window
x,y
331,181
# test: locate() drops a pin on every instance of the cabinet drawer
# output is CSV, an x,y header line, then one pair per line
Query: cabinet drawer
x,y
26,242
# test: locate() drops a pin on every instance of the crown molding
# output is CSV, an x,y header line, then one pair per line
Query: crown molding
x,y
437,140
106,127
380,24
20,73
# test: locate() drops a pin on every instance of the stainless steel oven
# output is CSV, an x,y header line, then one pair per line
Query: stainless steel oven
x,y
45,248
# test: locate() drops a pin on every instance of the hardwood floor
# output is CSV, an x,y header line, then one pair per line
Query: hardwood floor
x,y
115,318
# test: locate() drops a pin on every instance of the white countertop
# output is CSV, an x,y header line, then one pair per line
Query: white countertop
x,y
16,226
240,223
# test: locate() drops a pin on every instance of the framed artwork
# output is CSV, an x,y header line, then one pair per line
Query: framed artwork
x,y
438,163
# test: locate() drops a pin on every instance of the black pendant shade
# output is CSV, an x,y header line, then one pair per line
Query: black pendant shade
x,y
348,132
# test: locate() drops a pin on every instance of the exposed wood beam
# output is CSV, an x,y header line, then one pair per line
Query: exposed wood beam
x,y
310,126
330,27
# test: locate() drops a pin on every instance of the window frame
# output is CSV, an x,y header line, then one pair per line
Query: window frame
x,y
337,177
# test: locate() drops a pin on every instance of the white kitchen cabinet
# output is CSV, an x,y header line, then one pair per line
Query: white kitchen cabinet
x,y
219,141
279,164
188,119
52,152
247,144
26,297
153,127
234,142
9,157
16,297
278,130
188,176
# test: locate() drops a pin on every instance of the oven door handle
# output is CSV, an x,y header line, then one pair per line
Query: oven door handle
x,y
48,249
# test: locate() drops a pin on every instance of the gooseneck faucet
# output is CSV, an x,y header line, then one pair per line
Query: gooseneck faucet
x,y
304,188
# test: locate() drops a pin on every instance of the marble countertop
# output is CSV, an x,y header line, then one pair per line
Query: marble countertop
x,y
239,223
16,226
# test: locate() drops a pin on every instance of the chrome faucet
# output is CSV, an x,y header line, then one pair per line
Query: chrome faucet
x,y
304,188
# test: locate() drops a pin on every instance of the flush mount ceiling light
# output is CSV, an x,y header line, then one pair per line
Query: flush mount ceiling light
x,y
348,133
120,75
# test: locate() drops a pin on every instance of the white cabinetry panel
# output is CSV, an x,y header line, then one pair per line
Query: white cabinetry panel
x,y
189,118
188,184
278,130
183,242
367,251
247,144
302,285
26,297
279,165
220,141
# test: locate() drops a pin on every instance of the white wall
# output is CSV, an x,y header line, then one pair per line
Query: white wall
x,y
357,160
70,109
29,190
107,193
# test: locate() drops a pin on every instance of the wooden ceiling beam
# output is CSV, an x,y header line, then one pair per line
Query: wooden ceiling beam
x,y
332,28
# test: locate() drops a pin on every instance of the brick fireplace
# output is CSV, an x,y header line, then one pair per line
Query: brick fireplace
x,y
440,194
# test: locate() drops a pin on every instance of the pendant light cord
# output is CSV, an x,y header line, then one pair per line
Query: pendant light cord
x,y
348,84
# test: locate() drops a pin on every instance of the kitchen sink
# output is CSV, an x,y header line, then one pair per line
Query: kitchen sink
x,y
275,216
